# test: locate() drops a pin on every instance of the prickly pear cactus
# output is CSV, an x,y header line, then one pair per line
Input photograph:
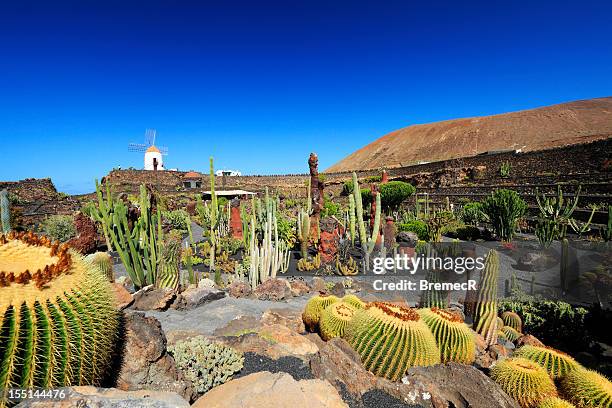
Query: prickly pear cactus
x,y
453,336
57,312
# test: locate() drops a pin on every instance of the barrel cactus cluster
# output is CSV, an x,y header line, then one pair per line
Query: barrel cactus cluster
x,y
314,308
58,315
556,363
335,318
453,336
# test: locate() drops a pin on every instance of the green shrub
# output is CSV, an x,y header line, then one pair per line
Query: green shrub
x,y
59,227
503,209
176,220
416,226
468,233
471,213
330,208
394,193
204,363
347,188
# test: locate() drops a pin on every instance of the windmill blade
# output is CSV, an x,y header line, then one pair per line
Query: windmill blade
x,y
163,150
150,136
137,147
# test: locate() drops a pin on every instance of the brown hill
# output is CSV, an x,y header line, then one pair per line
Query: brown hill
x,y
535,129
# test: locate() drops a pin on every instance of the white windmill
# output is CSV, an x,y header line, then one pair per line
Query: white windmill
x,y
152,154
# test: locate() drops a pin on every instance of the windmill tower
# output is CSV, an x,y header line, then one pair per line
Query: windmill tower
x,y
153,155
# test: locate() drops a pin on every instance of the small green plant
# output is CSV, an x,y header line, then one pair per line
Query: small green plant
x,y
471,213
59,227
206,364
176,220
417,226
503,209
504,169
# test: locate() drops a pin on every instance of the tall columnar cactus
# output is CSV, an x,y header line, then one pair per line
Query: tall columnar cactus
x,y
334,319
168,271
103,261
367,242
555,402
390,339
513,320
454,338
524,380
5,212
556,362
485,316
57,312
353,301
303,224
586,388
313,309
558,209
352,217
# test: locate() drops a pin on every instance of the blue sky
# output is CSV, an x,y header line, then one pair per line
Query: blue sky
x,y
259,85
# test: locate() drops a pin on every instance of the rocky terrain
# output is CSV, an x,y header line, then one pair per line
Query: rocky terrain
x,y
528,130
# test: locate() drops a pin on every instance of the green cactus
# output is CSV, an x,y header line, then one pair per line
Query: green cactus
x,y
353,301
103,261
503,209
500,323
390,339
168,270
334,319
352,217
555,402
313,309
501,337
206,364
454,338
485,316
587,389
523,380
5,212
556,363
511,334
57,313
303,224
513,320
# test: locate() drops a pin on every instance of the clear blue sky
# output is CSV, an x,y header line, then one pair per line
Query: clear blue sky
x,y
260,84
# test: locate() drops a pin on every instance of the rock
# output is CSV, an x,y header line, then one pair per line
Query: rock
x,y
192,298
287,317
124,298
239,289
238,326
299,287
407,239
529,340
145,362
498,351
206,283
92,397
273,289
266,390
121,280
318,285
338,289
150,298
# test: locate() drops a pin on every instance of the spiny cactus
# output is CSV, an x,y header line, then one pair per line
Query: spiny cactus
x,y
555,402
5,212
354,301
352,216
306,265
586,388
390,339
557,363
347,269
501,336
334,319
524,380
485,317
168,269
103,261
511,334
500,323
57,313
513,320
455,340
313,309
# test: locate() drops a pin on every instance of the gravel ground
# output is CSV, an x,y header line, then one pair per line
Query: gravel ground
x,y
294,366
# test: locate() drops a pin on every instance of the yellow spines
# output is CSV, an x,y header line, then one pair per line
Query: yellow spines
x,y
313,309
334,319
587,389
354,301
556,363
511,334
390,339
555,402
454,338
524,380
103,261
513,320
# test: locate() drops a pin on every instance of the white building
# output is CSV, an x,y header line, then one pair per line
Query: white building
x,y
153,159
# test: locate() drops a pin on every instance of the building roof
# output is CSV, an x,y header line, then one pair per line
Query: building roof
x,y
153,149
192,174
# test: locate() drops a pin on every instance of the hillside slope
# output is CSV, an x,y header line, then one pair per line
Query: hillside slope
x,y
535,129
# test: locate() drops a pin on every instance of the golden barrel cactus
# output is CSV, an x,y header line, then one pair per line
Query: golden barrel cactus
x,y
313,309
511,333
103,261
454,338
354,301
555,402
334,319
513,320
525,381
390,339
587,389
57,312
556,362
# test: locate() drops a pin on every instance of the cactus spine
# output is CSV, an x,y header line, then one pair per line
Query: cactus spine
x,y
57,314
5,212
390,339
513,320
303,224
103,261
313,309
485,319
353,301
586,388
334,319
454,338
556,363
555,402
524,380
